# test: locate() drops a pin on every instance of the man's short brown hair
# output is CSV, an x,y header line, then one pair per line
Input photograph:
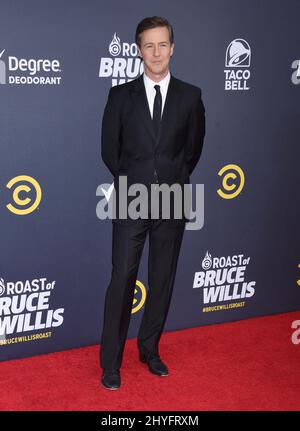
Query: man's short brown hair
x,y
153,22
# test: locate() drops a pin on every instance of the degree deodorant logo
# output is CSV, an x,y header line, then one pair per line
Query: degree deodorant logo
x,y
2,69
29,71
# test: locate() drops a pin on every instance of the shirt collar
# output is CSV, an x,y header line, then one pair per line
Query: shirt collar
x,y
149,83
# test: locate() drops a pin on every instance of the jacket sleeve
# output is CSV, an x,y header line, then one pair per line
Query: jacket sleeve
x,y
110,134
196,133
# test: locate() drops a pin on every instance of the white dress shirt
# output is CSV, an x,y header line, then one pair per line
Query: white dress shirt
x,y
151,92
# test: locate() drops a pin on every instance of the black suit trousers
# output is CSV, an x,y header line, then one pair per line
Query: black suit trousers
x,y
165,238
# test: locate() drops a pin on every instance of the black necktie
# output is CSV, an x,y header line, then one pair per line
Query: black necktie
x,y
157,109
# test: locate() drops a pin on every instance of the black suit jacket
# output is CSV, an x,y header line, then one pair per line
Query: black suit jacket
x,y
128,143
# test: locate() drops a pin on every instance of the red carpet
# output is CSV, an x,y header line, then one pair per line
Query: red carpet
x,y
245,365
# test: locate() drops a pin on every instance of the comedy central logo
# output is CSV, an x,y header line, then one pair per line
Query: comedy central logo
x,y
237,63
123,65
298,280
233,181
139,297
29,71
26,195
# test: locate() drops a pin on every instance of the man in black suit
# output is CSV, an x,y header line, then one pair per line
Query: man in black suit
x,y
152,132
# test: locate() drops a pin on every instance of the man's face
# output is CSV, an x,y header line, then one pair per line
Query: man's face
x,y
156,51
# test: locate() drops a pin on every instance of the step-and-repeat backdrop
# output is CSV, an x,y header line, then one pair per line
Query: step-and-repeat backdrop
x,y
239,258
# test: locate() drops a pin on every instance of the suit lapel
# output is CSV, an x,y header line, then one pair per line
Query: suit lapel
x,y
171,107
169,111
142,106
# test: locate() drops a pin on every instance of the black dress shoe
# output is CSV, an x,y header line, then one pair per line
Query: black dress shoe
x,y
155,364
111,379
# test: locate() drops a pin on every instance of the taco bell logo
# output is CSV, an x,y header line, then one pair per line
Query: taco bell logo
x,y
237,63
238,54
2,69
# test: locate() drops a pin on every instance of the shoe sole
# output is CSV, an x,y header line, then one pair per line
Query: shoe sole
x,y
159,375
111,389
